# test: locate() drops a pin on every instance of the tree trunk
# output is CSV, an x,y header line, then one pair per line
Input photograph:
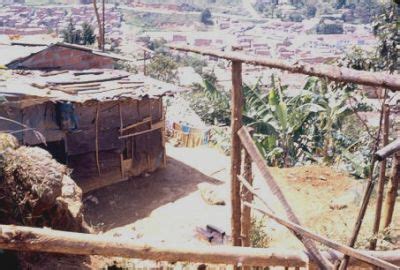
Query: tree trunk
x,y
99,25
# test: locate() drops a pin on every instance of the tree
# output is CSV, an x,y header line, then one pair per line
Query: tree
x,y
88,36
163,67
76,36
205,17
72,35
340,4
387,28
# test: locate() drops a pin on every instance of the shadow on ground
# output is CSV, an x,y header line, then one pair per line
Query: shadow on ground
x,y
126,202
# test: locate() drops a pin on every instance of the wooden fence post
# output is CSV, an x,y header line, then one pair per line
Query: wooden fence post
x,y
392,192
247,197
382,177
259,161
236,124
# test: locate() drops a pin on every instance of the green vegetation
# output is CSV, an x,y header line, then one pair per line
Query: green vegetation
x,y
163,67
258,237
330,28
77,36
88,36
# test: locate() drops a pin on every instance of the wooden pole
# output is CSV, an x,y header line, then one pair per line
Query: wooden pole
x,y
104,27
236,124
392,192
360,218
388,150
325,241
382,177
247,197
340,74
257,158
47,240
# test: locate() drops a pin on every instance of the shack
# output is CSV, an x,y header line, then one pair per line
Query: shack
x,y
106,125
59,56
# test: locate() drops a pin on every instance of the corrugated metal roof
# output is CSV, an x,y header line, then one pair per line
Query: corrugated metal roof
x,y
80,86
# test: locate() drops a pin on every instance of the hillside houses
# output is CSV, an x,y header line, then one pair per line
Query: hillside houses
x,y
26,20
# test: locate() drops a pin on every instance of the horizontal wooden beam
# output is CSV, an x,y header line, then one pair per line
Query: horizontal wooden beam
x,y
339,74
388,150
47,240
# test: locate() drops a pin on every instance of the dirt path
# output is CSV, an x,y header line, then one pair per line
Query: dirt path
x,y
166,206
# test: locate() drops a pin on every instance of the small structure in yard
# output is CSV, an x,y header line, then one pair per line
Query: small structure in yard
x,y
106,125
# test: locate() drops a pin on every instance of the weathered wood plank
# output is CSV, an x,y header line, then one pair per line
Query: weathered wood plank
x,y
47,240
236,124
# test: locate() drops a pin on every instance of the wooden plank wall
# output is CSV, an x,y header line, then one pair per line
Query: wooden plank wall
x,y
134,155
143,153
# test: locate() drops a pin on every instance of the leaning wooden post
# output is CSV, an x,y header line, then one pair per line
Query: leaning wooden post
x,y
392,192
247,197
236,124
259,161
382,177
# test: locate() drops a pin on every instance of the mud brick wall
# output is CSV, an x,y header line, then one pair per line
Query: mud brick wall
x,y
59,57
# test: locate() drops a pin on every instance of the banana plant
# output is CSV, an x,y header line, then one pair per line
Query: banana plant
x,y
334,108
280,123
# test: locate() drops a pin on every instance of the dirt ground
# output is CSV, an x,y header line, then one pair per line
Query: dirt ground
x,y
166,206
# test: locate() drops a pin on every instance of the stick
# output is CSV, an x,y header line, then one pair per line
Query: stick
x,y
368,190
90,81
339,247
155,126
144,121
247,197
256,156
381,181
340,74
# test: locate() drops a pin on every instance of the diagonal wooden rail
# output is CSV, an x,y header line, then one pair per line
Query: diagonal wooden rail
x,y
306,233
256,156
339,74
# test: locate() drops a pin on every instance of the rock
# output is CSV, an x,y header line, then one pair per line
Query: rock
x,y
352,195
211,194
41,189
